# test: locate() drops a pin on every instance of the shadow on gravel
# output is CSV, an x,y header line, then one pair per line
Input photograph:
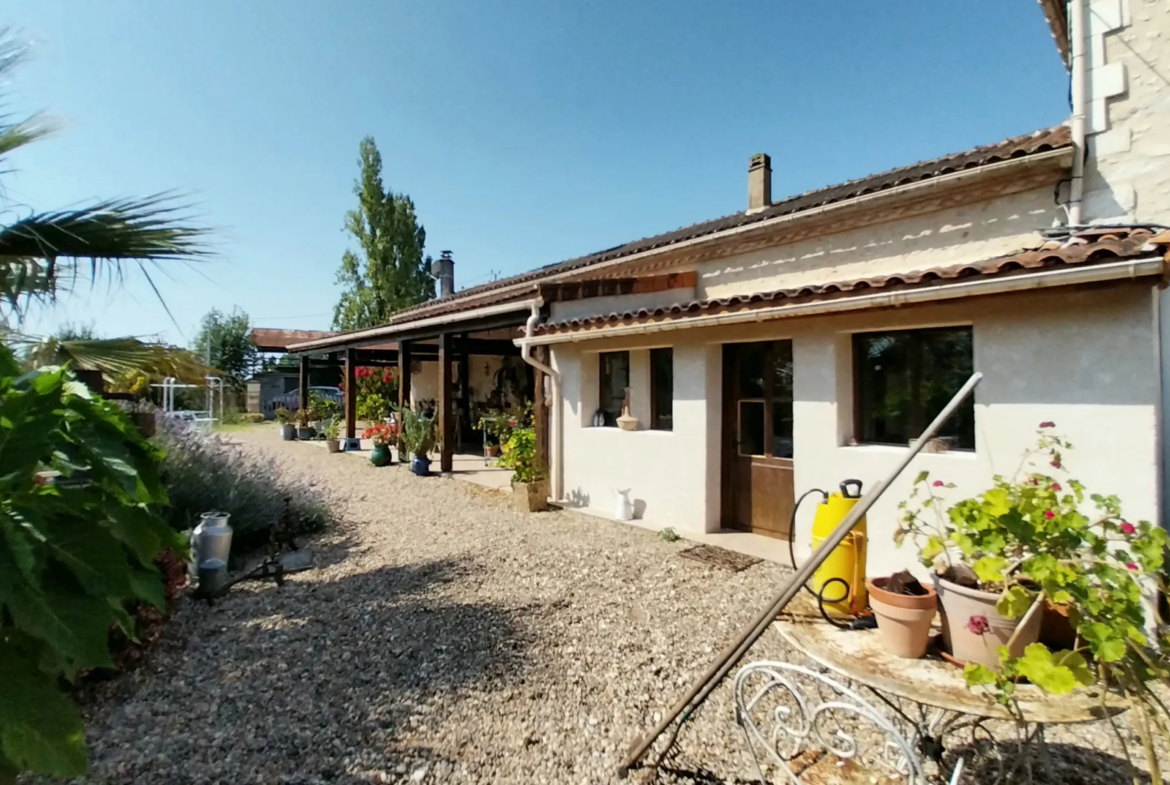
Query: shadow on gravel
x,y
317,680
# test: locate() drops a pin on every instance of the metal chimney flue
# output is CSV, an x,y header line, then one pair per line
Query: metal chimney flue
x,y
443,270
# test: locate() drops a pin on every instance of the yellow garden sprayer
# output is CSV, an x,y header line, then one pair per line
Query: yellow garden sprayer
x,y
839,582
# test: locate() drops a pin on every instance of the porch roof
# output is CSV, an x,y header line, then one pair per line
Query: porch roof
x,y
1103,254
516,292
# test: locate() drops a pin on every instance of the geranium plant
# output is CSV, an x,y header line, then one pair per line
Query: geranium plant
x,y
519,454
1029,539
382,434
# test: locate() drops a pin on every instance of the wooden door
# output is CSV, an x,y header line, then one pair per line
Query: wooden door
x,y
757,437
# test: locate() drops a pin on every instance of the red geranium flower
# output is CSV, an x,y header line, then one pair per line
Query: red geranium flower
x,y
1056,486
1127,527
978,625
1047,424
1131,566
1049,514
938,483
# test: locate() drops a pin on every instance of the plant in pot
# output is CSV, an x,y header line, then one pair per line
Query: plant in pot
x,y
304,430
288,428
418,439
904,609
529,486
382,435
333,434
1028,542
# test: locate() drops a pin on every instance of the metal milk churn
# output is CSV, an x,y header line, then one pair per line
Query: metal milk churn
x,y
212,543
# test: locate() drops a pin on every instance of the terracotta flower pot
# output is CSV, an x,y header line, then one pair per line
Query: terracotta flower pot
x,y
973,629
1056,628
903,619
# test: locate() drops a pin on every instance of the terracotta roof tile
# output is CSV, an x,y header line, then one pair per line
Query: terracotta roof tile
x,y
1016,147
1091,247
270,339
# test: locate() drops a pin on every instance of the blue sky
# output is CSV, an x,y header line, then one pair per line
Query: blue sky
x,y
527,132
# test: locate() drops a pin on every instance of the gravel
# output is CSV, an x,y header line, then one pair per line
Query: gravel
x,y
444,637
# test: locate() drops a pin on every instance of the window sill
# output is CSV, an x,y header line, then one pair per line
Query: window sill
x,y
897,449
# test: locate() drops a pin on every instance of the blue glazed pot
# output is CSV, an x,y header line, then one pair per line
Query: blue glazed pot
x,y
380,455
421,465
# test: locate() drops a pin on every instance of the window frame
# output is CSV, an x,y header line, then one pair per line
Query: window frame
x,y
858,405
601,384
655,413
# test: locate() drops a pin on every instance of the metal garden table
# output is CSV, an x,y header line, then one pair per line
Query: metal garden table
x,y
858,714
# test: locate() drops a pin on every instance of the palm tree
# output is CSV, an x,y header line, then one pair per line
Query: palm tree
x,y
44,255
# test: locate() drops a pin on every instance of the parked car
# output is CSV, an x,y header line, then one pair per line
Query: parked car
x,y
292,399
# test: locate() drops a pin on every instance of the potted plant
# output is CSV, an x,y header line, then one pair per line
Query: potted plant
x,y
529,487
333,434
904,609
497,427
288,428
1027,542
304,430
382,435
418,438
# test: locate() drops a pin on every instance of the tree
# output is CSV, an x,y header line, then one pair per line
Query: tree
x,y
391,272
225,344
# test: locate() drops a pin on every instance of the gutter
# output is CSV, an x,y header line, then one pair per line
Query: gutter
x,y
555,469
1079,67
1138,268
376,334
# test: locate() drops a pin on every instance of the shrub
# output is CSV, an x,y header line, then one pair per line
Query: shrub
x,y
204,472
519,454
285,416
668,534
254,417
78,542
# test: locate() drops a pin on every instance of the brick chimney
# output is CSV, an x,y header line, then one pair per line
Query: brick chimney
x,y
759,182
443,270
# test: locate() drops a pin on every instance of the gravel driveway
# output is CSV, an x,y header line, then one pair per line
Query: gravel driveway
x,y
442,637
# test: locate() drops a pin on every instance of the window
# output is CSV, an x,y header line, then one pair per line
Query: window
x,y
615,378
763,395
904,379
662,389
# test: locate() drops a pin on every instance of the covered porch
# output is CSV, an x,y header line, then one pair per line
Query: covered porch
x,y
456,368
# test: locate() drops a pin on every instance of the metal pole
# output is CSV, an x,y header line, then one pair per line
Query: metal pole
x,y
730,656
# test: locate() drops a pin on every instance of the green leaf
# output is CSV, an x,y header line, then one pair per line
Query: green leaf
x,y
148,585
977,674
75,624
933,547
1135,635
1038,666
1105,644
1041,567
1014,602
40,728
91,553
921,478
1075,662
990,569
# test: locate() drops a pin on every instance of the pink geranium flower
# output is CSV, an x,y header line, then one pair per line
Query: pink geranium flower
x,y
1131,566
1047,424
1049,514
938,483
1056,486
1127,527
978,625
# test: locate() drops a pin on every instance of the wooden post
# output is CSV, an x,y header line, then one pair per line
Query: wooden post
x,y
403,374
446,421
464,393
540,419
303,390
350,393
403,392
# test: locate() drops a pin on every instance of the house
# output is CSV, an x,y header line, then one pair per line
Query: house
x,y
804,341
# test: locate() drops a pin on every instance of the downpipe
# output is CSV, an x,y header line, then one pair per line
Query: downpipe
x,y
1079,96
555,474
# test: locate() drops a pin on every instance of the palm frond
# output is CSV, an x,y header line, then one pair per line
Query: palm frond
x,y
14,135
45,254
112,356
